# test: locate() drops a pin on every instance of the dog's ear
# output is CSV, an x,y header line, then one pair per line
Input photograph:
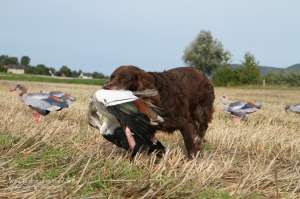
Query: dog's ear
x,y
145,81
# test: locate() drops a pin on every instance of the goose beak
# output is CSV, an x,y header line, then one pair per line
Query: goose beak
x,y
12,89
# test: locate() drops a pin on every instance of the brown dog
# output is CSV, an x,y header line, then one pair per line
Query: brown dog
x,y
185,95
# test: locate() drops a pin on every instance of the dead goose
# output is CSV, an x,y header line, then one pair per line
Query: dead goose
x,y
43,103
126,120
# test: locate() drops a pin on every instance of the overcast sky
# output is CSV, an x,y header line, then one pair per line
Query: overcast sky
x,y
96,35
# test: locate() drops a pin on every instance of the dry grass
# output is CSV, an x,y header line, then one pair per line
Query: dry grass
x,y
63,157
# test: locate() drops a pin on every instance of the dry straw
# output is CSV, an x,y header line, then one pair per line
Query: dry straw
x,y
63,157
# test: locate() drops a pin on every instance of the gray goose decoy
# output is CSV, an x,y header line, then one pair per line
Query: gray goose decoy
x,y
239,109
126,120
293,108
43,103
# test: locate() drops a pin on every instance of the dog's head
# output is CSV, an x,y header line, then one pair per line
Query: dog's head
x,y
129,78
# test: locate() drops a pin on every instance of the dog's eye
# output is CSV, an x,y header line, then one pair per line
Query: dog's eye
x,y
112,77
127,77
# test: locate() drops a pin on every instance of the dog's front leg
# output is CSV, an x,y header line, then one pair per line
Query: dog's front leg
x,y
192,140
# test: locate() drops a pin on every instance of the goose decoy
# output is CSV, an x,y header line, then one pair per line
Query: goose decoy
x,y
126,120
238,109
293,108
43,103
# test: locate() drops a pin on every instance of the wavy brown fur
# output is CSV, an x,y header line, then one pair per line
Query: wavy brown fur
x,y
185,95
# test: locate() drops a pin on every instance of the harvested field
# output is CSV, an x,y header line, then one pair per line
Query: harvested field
x,y
64,157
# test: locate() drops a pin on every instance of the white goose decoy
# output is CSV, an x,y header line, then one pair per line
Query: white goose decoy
x,y
43,103
239,109
126,120
293,108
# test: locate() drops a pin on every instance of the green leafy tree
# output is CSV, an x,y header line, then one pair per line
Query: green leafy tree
x,y
6,60
226,76
249,73
11,60
65,70
206,53
97,75
76,73
3,59
25,60
30,70
41,69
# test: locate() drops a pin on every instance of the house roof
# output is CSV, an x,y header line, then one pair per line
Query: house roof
x,y
15,66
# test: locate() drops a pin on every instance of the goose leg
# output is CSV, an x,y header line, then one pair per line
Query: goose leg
x,y
236,119
130,139
36,117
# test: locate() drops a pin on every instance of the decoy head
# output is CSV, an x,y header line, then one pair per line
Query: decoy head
x,y
224,100
286,108
20,88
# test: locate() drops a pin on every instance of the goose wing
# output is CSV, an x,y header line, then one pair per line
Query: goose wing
x,y
68,98
57,93
137,122
236,105
42,102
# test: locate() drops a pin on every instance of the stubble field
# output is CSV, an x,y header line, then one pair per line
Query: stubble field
x,y
62,157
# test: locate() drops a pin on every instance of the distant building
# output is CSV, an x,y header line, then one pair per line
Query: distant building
x,y
85,76
15,68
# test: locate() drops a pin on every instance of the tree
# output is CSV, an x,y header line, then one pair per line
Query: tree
x,y
41,69
25,60
76,73
65,70
11,60
30,70
97,75
6,60
2,69
226,76
249,73
206,53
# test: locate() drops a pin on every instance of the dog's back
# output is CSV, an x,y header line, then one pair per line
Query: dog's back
x,y
185,95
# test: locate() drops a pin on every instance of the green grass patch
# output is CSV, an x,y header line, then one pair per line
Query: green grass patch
x,y
7,141
214,194
51,173
52,160
38,78
52,155
26,162
86,190
207,147
49,159
130,172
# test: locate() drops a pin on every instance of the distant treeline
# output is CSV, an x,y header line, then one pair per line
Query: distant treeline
x,y
208,55
227,76
283,78
42,69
